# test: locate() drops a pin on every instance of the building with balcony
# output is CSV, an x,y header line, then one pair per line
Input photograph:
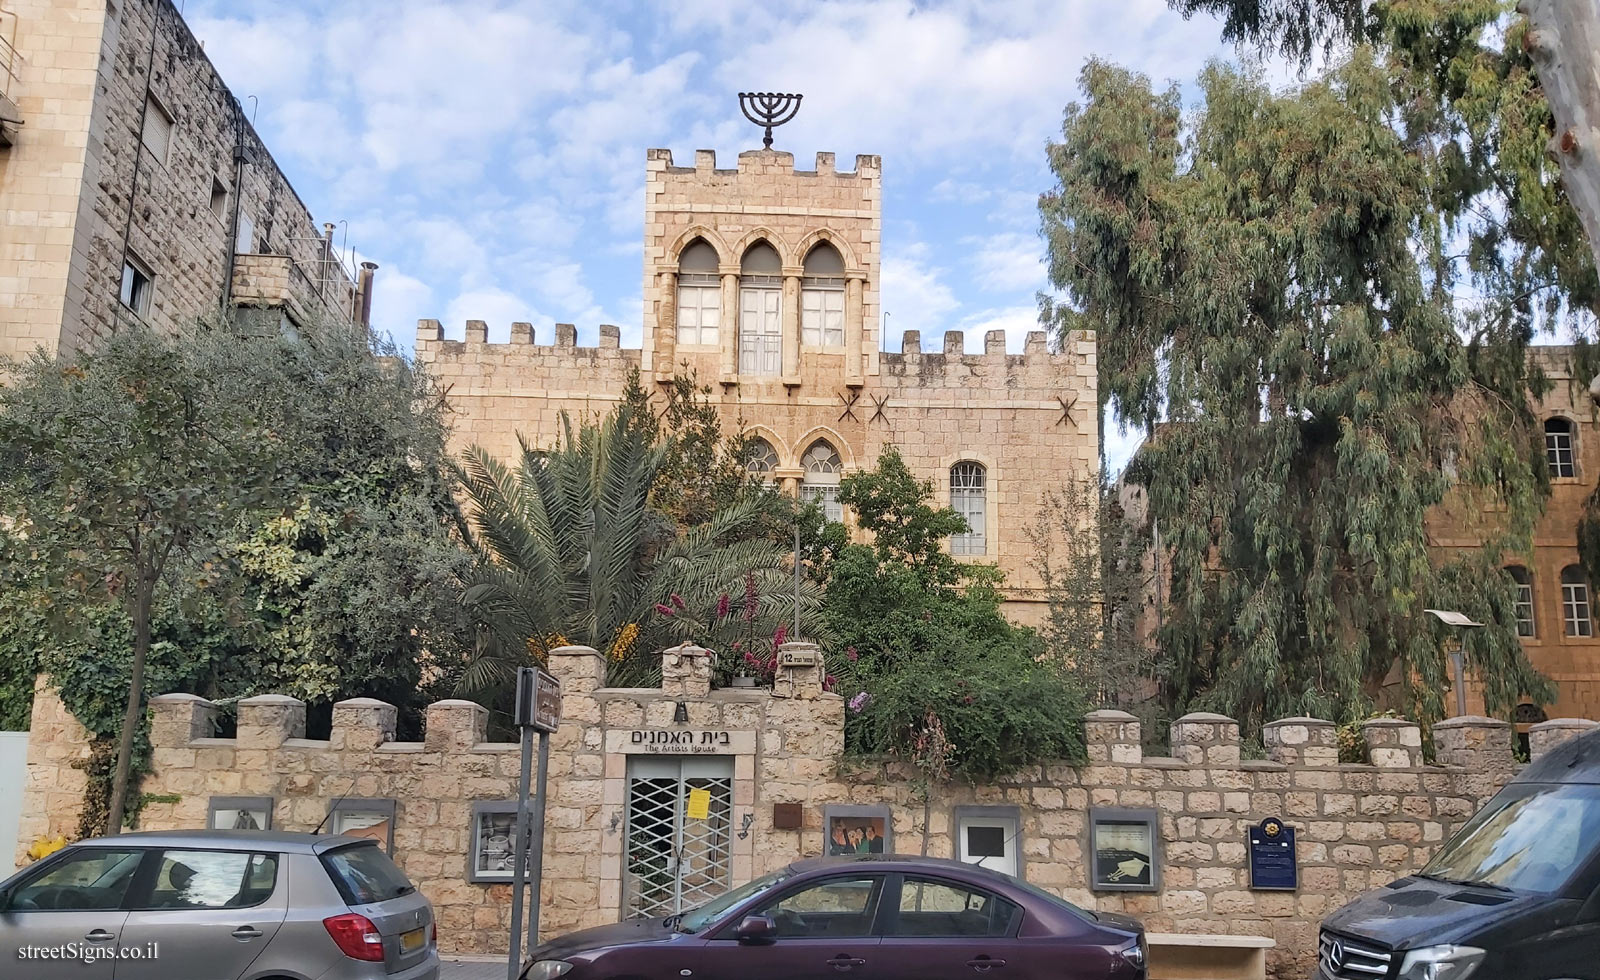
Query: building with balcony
x,y
133,186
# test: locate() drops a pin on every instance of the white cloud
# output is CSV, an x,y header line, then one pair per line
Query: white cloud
x,y
396,298
915,296
498,309
1016,321
1009,262
494,149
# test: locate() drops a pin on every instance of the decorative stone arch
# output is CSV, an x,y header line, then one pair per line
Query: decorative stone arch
x,y
718,244
786,458
779,245
852,267
847,455
992,474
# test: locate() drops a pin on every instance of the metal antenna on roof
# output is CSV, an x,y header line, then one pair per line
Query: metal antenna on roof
x,y
769,109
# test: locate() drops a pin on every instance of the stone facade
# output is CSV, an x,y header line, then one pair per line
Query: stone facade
x,y
1358,826
1571,661
1027,419
82,189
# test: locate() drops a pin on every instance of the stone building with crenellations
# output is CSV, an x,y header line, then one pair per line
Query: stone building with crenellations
x,y
764,281
133,186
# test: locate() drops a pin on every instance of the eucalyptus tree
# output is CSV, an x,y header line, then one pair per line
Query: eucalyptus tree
x,y
1268,281
1514,85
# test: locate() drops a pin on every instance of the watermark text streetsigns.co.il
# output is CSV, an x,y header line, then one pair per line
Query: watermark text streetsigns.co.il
x,y
89,952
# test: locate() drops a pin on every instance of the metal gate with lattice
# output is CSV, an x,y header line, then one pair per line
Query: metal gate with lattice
x,y
676,861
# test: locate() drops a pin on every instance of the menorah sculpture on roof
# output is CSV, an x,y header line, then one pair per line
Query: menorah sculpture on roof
x,y
769,109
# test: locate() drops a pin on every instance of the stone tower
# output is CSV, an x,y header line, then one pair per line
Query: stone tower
x,y
763,281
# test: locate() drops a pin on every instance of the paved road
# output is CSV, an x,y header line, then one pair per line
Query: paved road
x,y
473,970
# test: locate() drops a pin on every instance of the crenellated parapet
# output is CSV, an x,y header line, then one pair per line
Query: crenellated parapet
x,y
564,337
869,166
776,761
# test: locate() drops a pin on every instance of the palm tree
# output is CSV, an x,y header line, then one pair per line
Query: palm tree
x,y
570,552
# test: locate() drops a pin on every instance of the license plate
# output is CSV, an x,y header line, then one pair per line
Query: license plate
x,y
414,940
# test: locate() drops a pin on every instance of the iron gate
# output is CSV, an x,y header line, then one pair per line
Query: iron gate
x,y
676,861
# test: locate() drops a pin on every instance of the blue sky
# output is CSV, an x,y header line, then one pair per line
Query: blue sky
x,y
489,156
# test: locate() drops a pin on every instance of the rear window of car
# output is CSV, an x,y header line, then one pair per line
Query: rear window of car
x,y
365,875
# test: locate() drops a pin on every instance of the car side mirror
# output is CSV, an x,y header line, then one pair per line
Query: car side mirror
x,y
756,930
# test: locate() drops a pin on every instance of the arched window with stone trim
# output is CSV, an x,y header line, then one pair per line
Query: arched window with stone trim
x,y
761,459
699,295
1575,601
822,297
1526,625
969,497
1560,446
823,470
761,311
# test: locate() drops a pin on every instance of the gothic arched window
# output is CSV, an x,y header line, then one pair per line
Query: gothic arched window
x,y
762,459
761,311
822,298
969,497
823,470
699,295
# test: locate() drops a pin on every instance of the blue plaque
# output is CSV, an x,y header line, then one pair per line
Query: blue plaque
x,y
1272,859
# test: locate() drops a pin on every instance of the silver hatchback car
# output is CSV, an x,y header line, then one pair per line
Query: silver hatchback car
x,y
216,905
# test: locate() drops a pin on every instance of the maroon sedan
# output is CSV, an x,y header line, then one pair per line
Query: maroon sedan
x,y
874,917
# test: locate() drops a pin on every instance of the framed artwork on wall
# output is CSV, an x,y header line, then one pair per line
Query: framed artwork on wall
x,y
990,837
364,818
1124,850
494,826
857,830
240,813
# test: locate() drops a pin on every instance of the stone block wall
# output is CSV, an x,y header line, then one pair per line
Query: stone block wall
x,y
1027,418
79,190
1357,826
1568,660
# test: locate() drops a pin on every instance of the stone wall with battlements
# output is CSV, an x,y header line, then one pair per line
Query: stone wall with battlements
x,y
1358,826
1027,418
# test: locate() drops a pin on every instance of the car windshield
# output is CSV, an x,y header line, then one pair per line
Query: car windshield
x,y
1529,838
697,919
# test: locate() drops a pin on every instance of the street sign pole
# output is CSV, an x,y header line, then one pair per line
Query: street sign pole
x,y
537,844
538,710
519,851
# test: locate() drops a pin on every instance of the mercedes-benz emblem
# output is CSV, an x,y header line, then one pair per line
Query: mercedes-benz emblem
x,y
1336,956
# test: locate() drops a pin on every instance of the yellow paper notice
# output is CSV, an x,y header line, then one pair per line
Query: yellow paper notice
x,y
699,804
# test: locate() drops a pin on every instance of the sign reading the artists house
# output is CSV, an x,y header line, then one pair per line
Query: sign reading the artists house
x,y
687,741
1272,859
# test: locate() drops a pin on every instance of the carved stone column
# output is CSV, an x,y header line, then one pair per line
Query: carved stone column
x,y
791,328
729,330
853,374
666,346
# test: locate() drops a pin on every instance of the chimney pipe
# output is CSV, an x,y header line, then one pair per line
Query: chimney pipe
x,y
364,292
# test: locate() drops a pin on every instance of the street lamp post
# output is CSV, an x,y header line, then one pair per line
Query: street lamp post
x,y
1457,656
